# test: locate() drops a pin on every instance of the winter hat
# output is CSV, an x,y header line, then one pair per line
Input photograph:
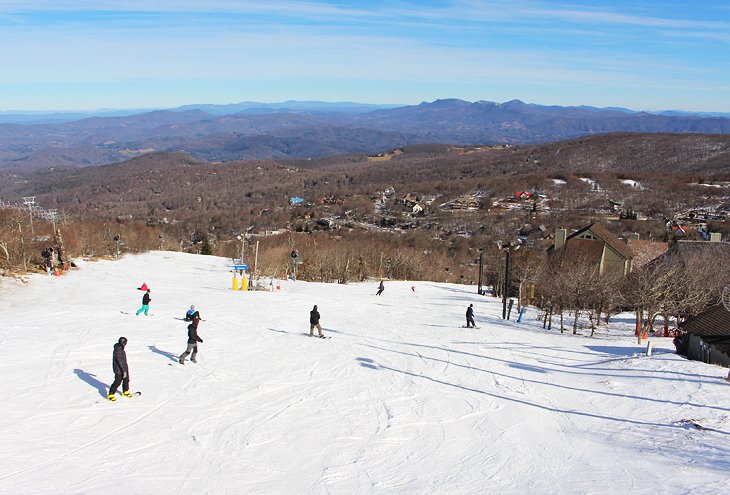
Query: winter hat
x,y
123,340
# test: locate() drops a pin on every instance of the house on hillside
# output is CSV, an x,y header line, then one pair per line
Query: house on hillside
x,y
707,336
463,203
714,249
596,244
411,199
532,234
645,250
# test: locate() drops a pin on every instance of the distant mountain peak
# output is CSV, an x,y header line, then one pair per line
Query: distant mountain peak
x,y
447,102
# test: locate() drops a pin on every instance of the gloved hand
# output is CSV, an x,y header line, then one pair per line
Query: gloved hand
x,y
201,341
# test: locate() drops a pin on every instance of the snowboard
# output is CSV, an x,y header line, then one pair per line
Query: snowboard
x,y
134,313
134,394
325,337
464,326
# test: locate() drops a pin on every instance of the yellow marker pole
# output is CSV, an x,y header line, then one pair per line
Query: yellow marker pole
x,y
235,283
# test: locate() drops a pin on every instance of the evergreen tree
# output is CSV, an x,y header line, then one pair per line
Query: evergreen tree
x,y
206,248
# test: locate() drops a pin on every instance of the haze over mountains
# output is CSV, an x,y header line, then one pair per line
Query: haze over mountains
x,y
313,129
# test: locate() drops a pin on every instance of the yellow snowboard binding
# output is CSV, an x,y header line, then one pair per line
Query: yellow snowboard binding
x,y
111,397
127,393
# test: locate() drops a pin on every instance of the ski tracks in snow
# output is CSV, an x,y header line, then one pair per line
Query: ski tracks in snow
x,y
110,434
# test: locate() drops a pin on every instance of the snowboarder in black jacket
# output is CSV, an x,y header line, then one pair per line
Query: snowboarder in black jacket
x,y
314,322
381,288
193,340
145,303
121,371
470,317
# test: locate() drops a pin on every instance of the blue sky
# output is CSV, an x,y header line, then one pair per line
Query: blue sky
x,y
86,55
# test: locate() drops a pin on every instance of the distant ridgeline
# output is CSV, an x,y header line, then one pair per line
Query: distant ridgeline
x,y
224,133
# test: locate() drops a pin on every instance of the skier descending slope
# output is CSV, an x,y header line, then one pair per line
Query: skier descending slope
x,y
121,371
193,340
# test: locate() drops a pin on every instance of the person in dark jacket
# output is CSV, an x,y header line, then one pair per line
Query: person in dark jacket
x,y
196,319
121,371
193,340
314,322
145,303
470,317
381,288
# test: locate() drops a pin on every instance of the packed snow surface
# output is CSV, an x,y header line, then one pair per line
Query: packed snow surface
x,y
401,399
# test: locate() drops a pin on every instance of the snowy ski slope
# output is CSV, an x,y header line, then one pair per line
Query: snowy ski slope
x,y
401,399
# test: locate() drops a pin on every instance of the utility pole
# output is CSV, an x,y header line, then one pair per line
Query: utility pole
x,y
52,215
507,248
30,203
294,255
255,260
481,270
241,238
506,284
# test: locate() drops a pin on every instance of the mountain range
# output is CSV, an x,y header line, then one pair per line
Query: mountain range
x,y
251,130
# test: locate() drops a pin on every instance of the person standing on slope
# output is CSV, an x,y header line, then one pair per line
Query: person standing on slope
x,y
193,340
470,317
145,303
191,314
314,322
121,371
196,319
381,288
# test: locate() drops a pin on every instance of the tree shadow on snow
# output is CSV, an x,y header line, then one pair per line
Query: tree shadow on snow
x,y
540,369
465,290
277,331
167,354
93,381
546,407
614,350
527,367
